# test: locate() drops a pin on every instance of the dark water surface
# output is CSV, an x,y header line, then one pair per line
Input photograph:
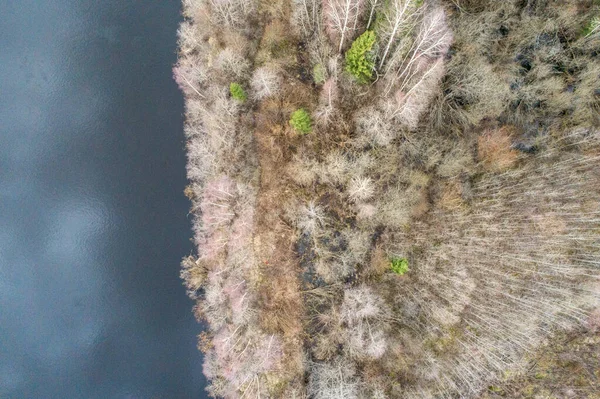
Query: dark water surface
x,y
92,217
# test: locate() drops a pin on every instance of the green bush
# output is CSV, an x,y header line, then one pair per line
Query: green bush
x,y
238,92
301,121
399,265
360,59
319,73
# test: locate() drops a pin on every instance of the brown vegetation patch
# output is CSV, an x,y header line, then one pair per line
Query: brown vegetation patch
x,y
378,265
451,196
495,150
569,367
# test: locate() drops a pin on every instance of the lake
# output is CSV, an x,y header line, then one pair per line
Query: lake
x,y
92,213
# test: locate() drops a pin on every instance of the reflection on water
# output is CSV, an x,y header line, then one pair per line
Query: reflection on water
x,y
93,219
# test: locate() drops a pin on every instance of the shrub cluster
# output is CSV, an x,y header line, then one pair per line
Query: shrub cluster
x,y
237,92
360,62
399,265
301,121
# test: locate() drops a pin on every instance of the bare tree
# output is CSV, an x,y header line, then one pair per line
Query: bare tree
x,y
194,274
265,83
189,37
201,160
217,215
342,19
415,69
373,4
233,13
431,43
364,313
241,232
326,109
336,169
213,307
374,127
306,15
311,217
232,64
361,303
190,74
360,188
408,107
334,380
397,19
241,355
218,122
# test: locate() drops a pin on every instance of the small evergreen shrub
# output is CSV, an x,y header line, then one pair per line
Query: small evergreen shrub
x,y
399,265
319,74
238,92
360,59
301,121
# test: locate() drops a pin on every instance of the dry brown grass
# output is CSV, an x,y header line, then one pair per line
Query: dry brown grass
x,y
566,368
280,301
451,196
494,149
277,45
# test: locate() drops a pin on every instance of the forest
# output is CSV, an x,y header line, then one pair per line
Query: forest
x,y
394,198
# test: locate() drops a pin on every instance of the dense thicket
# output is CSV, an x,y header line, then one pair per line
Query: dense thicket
x,y
392,198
